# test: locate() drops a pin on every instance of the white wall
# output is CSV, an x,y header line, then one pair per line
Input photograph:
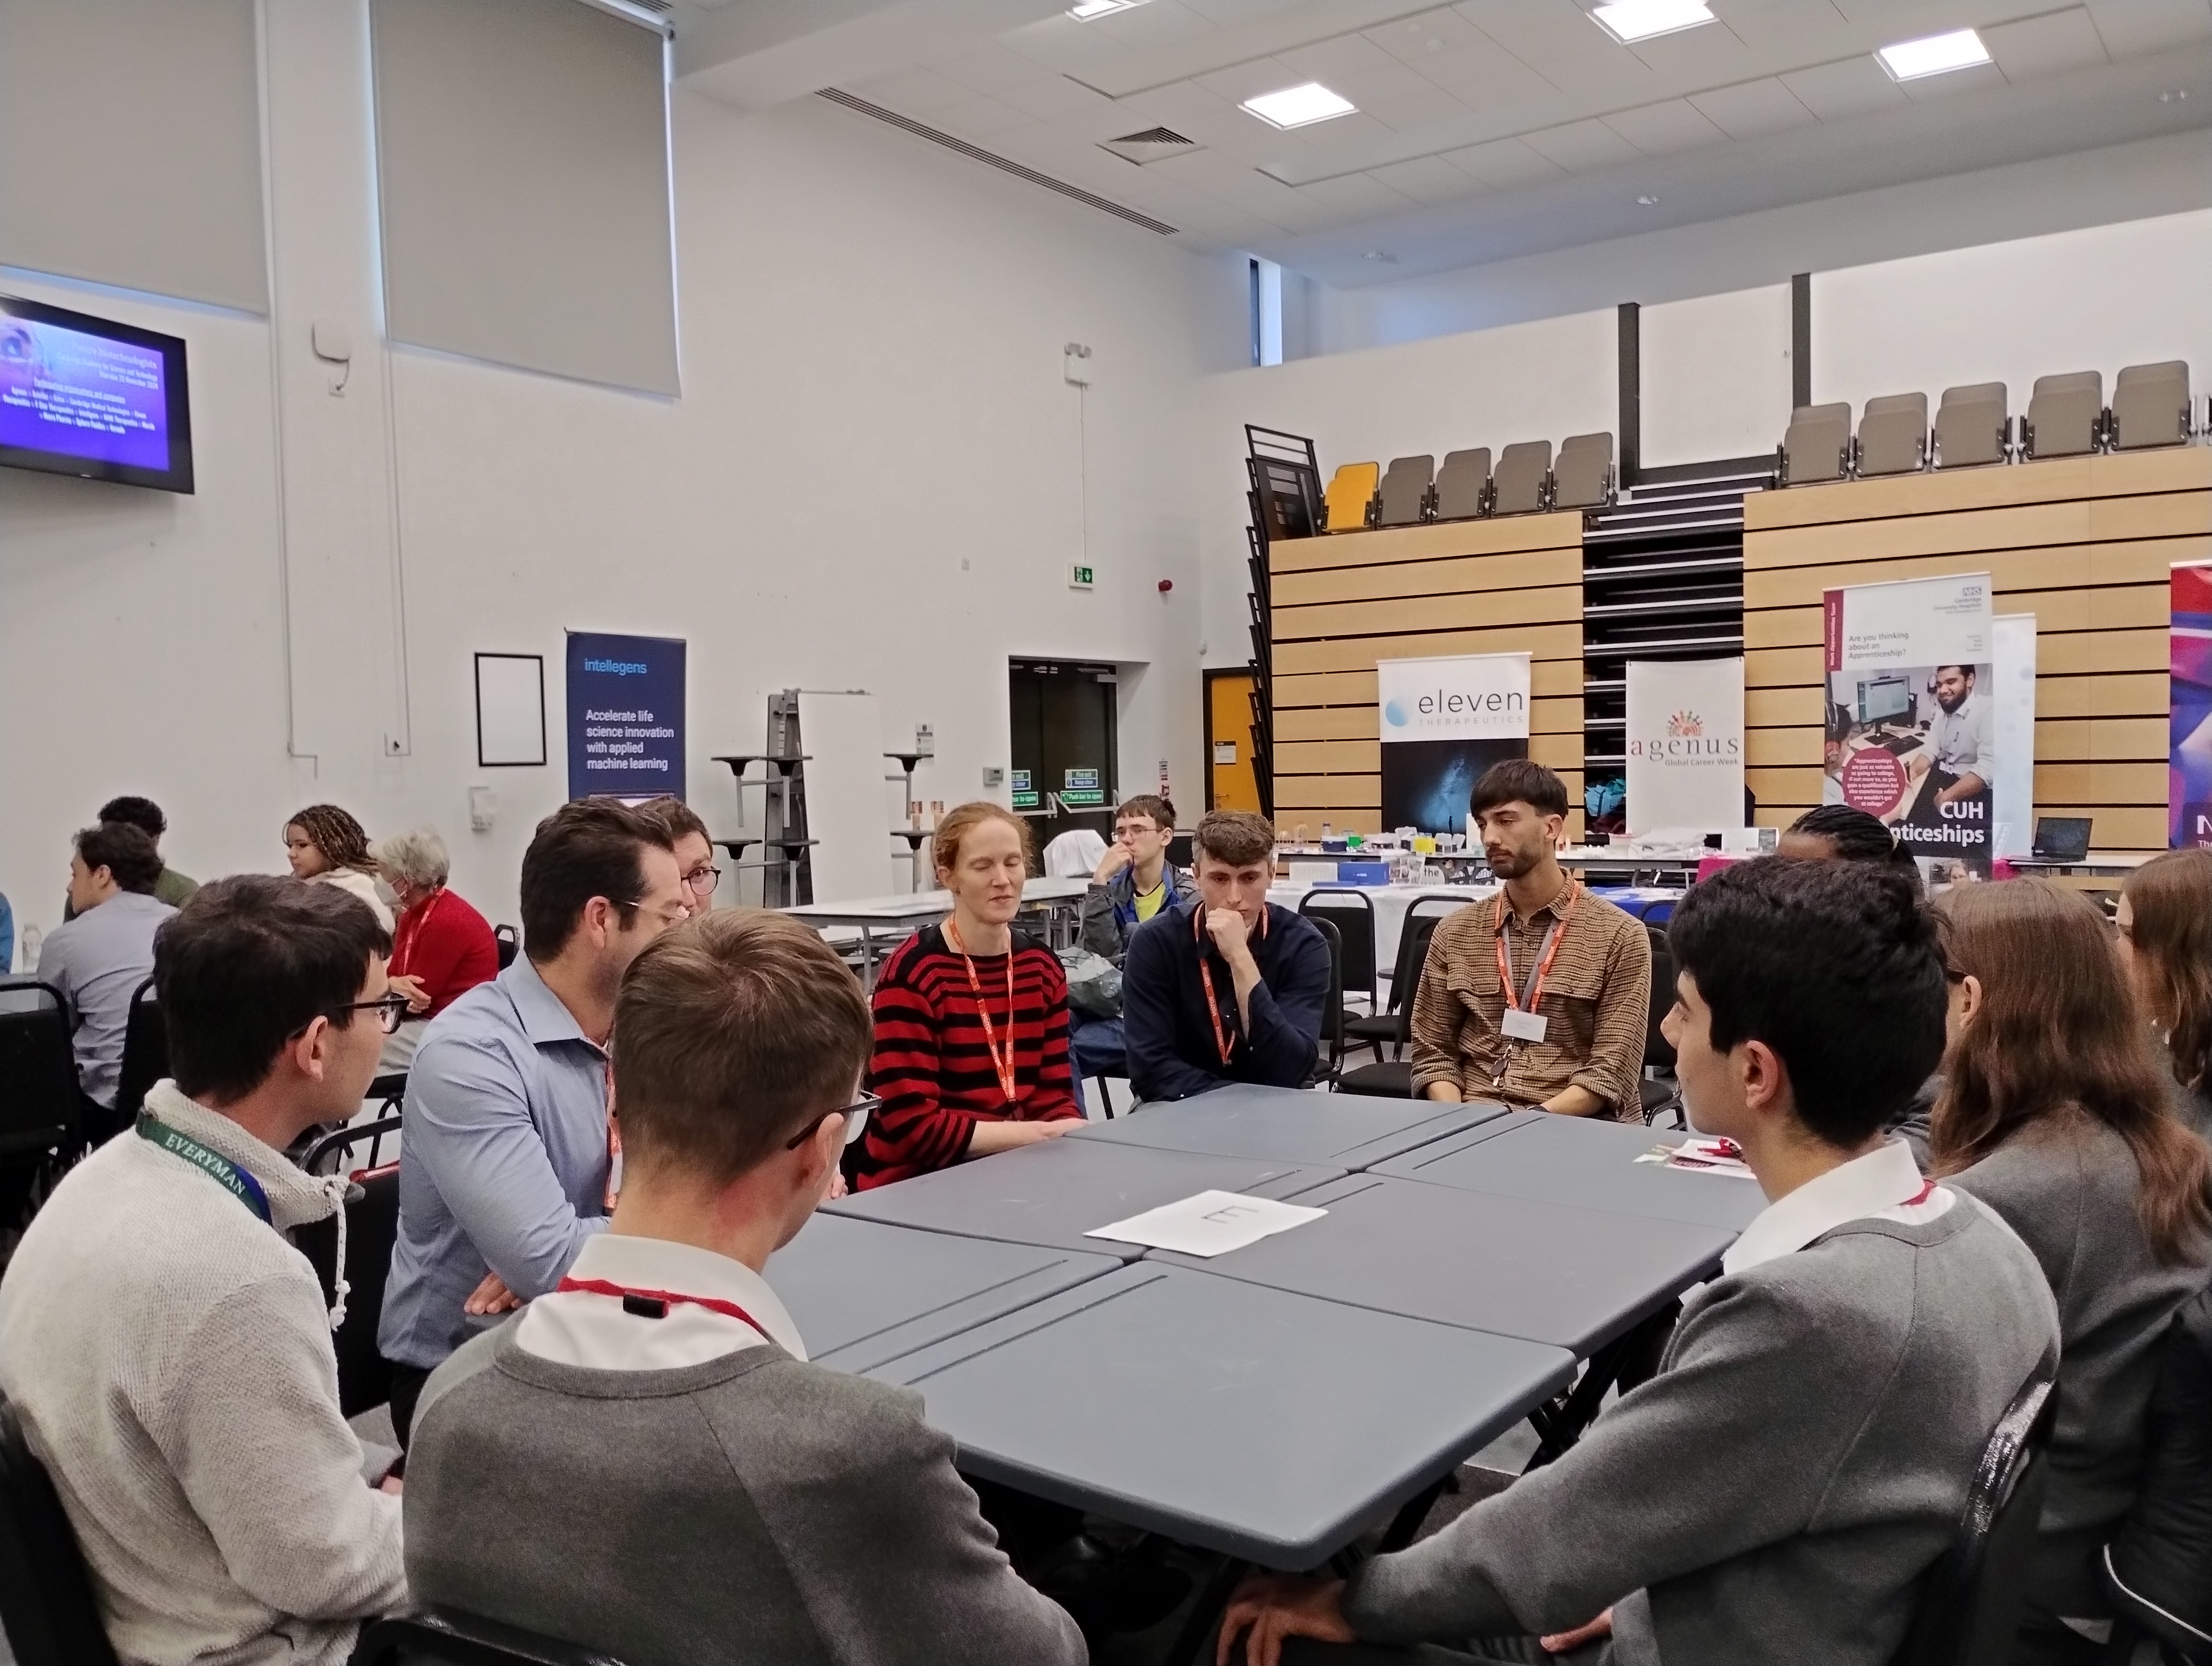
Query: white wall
x,y
1713,376
875,478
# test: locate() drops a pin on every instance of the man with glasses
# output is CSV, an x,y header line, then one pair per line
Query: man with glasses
x,y
645,1463
511,1162
165,1348
694,849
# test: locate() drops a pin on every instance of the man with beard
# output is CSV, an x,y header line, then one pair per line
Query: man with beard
x,y
1541,996
1957,739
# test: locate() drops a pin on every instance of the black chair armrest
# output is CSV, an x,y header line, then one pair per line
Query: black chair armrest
x,y
463,1639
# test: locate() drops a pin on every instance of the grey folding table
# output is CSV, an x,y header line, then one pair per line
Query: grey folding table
x,y
1571,1160
1053,1193
1543,1272
861,1293
1289,1125
1269,1426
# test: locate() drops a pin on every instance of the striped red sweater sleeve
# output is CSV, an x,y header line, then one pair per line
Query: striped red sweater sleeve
x,y
931,1065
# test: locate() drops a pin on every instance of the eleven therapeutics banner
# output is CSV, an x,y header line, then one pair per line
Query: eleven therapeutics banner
x,y
1443,723
1685,743
2189,757
625,697
1909,736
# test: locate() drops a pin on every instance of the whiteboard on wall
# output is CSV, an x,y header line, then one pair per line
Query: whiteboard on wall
x,y
848,803
1714,376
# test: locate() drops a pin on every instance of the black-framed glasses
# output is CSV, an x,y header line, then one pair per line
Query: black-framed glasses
x,y
390,1010
702,880
856,1120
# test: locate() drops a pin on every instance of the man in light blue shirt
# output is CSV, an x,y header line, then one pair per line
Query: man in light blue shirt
x,y
508,1163
98,960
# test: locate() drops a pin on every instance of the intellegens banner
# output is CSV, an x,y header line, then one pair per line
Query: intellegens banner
x,y
1685,743
625,716
2188,773
1443,723
1909,736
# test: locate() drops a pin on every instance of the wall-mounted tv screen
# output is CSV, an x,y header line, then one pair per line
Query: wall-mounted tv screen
x,y
81,395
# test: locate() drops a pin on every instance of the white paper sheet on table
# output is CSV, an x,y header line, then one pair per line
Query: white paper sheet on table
x,y
1209,1224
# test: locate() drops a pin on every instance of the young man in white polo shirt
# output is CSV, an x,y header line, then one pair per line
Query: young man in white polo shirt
x,y
1774,1494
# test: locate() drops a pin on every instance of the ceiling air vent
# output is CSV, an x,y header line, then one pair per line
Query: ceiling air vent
x,y
1150,145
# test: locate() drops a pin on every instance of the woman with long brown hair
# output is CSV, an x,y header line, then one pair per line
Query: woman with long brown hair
x,y
2166,938
2054,1112
325,843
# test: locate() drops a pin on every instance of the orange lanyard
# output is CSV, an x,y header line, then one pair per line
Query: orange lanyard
x,y
1224,1042
403,951
1534,992
1004,1066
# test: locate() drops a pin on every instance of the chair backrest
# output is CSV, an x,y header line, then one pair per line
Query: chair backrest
x,y
1523,483
1972,426
1349,490
1405,491
1583,478
372,1212
1352,913
2066,414
1332,1014
1970,1601
453,1638
507,941
1423,916
1817,444
46,1602
145,1053
1463,484
1893,435
2150,405
37,1070
1658,1051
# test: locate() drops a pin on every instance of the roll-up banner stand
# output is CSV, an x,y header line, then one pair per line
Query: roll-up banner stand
x,y
1909,736
1685,745
2012,733
2189,735
625,699
1443,722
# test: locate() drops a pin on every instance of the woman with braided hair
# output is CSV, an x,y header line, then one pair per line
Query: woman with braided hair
x,y
325,843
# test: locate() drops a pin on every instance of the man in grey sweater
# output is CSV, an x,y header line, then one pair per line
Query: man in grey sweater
x,y
1773,1495
644,1462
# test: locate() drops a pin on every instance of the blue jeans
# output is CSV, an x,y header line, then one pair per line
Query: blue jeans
x,y
1095,1048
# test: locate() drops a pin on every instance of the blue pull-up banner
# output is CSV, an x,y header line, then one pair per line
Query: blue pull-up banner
x,y
625,716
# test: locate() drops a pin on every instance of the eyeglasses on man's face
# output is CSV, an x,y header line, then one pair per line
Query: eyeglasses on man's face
x,y
856,1120
702,880
389,1010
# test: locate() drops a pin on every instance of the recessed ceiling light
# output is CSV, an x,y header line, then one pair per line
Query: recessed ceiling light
x,y
1299,106
1378,254
1083,10
1648,201
2174,95
1639,20
1934,55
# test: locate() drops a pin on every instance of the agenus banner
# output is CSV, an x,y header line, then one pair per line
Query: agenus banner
x,y
1909,736
2189,742
1685,745
625,698
1443,722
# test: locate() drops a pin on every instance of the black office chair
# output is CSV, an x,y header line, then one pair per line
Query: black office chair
x,y
42,1114
1352,913
145,1053
2158,1569
1970,1601
1393,1077
507,942
46,1604
1329,1068
452,1638
1658,1051
372,1212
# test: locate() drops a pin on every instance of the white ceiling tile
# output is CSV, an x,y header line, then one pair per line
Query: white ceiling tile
x,y
1849,87
1802,29
2132,27
1240,81
917,93
1583,146
1056,98
1708,55
1071,48
989,69
978,118
1409,40
1350,199
1427,179
2045,45
1504,163
1927,88
1331,61
1562,43
1752,107
1157,23
1484,75
1662,130
1210,172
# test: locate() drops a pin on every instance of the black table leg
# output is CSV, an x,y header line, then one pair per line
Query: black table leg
x,y
1411,1514
1206,1612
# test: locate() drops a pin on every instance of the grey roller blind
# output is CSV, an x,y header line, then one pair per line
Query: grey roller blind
x,y
131,145
522,168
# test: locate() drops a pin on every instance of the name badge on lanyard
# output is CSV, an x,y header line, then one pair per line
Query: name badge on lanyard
x,y
1521,1026
1520,1021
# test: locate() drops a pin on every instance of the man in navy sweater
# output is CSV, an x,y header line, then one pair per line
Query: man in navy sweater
x,y
1229,987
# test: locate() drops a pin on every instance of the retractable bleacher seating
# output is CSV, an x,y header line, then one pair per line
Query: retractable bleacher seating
x,y
1463,484
2150,406
1973,426
1404,496
1893,435
1522,486
1817,446
1350,493
2065,415
1584,476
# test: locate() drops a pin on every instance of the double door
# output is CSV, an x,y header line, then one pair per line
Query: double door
x,y
1064,745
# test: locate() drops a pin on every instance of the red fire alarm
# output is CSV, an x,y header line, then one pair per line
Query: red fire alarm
x,y
1166,585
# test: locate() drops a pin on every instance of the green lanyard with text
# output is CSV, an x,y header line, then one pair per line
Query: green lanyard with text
x,y
232,1179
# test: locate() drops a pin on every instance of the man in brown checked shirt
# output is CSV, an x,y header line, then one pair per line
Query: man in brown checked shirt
x,y
1563,1029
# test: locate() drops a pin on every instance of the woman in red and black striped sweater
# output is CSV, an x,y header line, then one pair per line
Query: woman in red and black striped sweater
x,y
972,1018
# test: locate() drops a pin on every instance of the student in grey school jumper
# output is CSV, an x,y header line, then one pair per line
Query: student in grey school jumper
x,y
645,1463
1774,1494
2054,1112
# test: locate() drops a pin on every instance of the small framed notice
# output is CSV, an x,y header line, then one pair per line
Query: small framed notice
x,y
510,710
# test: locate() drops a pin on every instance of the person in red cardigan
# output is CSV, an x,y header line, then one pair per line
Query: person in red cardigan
x,y
441,948
971,1018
